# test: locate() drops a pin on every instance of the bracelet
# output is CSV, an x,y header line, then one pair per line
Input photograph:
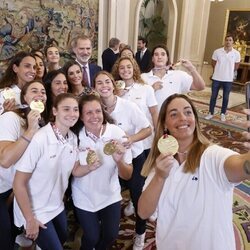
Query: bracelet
x,y
25,138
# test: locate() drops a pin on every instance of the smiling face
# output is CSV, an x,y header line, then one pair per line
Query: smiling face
x,y
53,55
35,92
83,50
160,58
92,116
75,75
40,68
59,85
104,86
26,71
180,119
66,114
126,70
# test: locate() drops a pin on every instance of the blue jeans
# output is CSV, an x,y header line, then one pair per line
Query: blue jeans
x,y
54,236
216,85
135,185
100,229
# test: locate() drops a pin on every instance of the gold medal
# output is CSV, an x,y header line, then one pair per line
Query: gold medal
x,y
9,93
168,144
37,105
120,84
109,148
91,157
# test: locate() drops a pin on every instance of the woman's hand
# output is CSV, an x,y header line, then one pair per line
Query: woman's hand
x,y
163,165
9,104
33,119
128,142
119,151
157,85
32,228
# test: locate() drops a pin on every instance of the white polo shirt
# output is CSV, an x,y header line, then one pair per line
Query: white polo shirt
x,y
100,188
18,101
143,95
225,63
130,119
11,130
195,210
50,163
174,81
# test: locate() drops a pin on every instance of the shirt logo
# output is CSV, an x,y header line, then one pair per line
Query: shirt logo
x,y
195,178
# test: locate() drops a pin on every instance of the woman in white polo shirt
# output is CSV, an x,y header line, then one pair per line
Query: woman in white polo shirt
x,y
42,176
134,122
191,185
137,91
17,129
96,190
167,81
21,70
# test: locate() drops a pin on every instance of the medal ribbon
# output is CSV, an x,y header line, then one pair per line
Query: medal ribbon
x,y
92,136
58,134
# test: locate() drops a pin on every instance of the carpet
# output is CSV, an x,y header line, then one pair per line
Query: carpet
x,y
234,119
203,96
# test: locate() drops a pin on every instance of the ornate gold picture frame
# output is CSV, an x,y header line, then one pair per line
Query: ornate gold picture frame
x,y
238,24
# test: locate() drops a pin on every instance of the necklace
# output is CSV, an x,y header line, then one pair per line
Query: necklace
x,y
111,107
129,87
182,153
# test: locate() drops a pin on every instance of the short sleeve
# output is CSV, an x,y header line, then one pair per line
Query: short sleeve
x,y
212,161
10,126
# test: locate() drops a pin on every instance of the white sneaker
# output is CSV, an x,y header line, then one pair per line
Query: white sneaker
x,y
139,241
223,117
129,209
23,241
209,116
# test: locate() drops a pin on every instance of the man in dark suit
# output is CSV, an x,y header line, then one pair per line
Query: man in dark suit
x,y
143,55
82,47
110,54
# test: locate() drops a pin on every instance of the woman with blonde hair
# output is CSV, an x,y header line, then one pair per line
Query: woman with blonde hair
x,y
186,187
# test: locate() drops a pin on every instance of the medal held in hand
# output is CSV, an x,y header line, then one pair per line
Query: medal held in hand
x,y
109,148
9,94
168,144
120,84
91,157
37,105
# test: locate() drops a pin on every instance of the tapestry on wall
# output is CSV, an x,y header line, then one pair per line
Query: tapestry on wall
x,y
34,24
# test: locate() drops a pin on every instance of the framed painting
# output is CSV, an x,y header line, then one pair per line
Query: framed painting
x,y
238,24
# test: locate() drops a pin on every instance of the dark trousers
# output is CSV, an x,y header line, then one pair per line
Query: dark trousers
x,y
216,85
135,185
100,229
54,236
8,231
